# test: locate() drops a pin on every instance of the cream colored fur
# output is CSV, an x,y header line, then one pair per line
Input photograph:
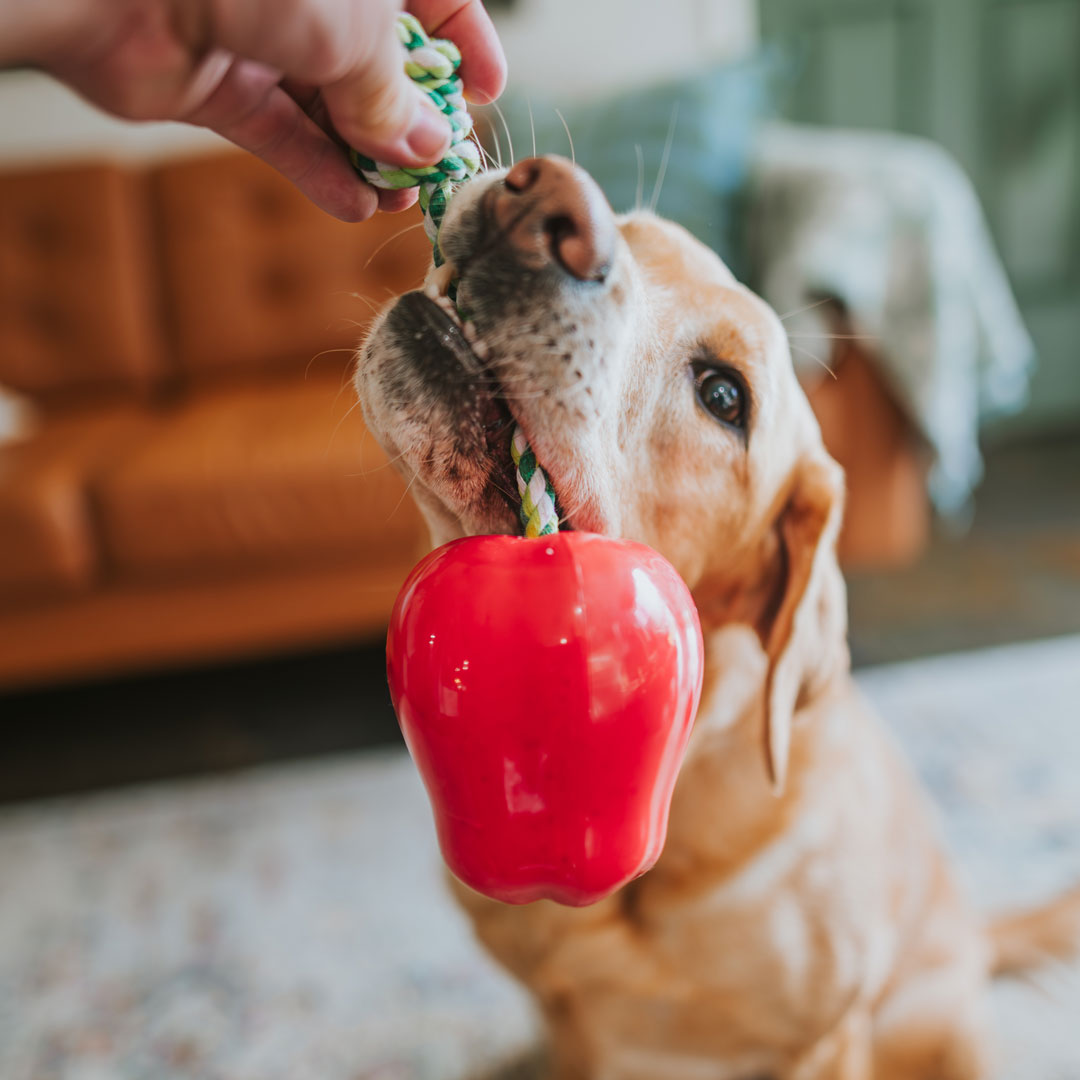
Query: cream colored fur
x,y
803,922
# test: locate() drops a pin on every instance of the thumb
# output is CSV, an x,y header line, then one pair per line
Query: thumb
x,y
379,110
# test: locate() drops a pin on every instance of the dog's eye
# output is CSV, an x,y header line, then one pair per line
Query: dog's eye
x,y
722,395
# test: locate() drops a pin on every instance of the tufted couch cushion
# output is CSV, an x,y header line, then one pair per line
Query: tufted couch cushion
x,y
282,472
76,308
257,277
50,545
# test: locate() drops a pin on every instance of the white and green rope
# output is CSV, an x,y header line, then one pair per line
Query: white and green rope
x,y
432,63
538,513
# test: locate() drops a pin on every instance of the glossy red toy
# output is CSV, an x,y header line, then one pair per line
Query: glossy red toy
x,y
546,689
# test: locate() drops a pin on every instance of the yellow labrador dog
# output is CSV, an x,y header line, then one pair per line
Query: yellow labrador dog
x,y
803,922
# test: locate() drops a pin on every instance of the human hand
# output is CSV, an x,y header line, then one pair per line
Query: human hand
x,y
292,81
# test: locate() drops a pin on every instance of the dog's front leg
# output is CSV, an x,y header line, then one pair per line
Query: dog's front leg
x,y
524,939
845,1053
582,965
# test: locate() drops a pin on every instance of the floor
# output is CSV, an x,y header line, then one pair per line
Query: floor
x,y
291,922
1013,575
188,723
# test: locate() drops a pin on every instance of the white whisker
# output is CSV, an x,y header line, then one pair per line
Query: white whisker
x,y
808,307
358,296
532,125
514,397
834,337
404,494
333,434
569,513
506,128
485,155
346,380
388,240
664,158
389,463
569,137
320,355
817,359
640,176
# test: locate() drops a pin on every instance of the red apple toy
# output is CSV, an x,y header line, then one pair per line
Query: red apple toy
x,y
546,689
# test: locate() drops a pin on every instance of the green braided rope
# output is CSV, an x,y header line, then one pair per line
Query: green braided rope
x,y
432,63
538,514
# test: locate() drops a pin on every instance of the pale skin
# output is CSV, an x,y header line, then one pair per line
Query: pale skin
x,y
291,81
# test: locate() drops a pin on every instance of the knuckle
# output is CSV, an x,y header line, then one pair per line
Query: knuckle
x,y
325,51
358,44
386,109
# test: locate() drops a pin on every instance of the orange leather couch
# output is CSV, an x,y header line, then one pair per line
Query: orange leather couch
x,y
199,484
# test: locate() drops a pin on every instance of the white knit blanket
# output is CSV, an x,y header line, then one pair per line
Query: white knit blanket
x,y
891,226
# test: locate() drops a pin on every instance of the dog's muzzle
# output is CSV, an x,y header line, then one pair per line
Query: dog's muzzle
x,y
548,212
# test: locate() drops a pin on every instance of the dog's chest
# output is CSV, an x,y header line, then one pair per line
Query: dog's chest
x,y
782,947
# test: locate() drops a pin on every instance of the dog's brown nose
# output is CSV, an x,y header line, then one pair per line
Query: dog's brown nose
x,y
549,209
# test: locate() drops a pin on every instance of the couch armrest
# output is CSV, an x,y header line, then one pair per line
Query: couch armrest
x,y
886,509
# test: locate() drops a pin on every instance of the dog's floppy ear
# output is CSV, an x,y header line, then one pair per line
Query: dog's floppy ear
x,y
806,638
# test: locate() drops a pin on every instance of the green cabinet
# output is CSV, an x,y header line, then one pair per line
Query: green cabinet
x,y
998,83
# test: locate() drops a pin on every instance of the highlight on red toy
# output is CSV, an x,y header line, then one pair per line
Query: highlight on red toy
x,y
546,689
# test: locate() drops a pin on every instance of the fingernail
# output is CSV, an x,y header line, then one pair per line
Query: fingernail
x,y
429,133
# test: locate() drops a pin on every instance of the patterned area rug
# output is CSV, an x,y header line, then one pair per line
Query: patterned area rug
x,y
291,924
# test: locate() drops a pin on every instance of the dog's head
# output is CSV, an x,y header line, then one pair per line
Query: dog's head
x,y
657,393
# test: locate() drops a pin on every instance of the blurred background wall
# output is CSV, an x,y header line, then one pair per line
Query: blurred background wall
x,y
997,83
601,46
42,121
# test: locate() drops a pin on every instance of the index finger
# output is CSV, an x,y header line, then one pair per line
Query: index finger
x,y
469,27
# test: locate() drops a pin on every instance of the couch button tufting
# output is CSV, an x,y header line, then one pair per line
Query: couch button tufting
x,y
269,203
279,282
45,234
48,319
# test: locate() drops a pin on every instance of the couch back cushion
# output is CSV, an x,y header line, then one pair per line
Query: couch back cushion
x,y
257,277
76,284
